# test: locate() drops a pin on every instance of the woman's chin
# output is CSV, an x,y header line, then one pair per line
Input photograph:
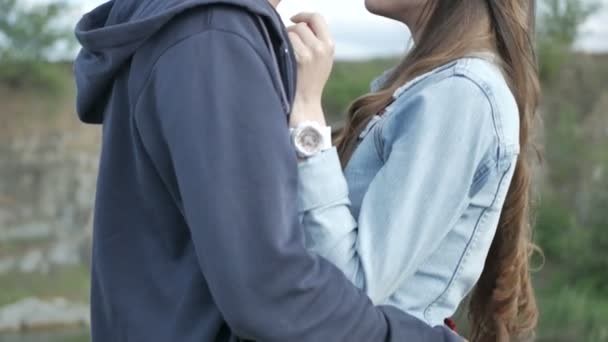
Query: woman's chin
x,y
380,8
374,7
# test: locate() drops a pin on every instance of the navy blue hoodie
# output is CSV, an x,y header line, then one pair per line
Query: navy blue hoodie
x,y
196,235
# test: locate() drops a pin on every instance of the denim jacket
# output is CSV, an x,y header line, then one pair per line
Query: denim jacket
x,y
412,217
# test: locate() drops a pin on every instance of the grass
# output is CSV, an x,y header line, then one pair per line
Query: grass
x,y
571,314
71,283
70,335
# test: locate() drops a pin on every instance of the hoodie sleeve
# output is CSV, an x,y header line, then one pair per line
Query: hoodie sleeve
x,y
220,118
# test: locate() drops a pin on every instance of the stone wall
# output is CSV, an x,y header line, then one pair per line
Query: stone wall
x,y
47,185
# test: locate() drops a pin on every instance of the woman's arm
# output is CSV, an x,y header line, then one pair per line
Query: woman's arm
x,y
435,142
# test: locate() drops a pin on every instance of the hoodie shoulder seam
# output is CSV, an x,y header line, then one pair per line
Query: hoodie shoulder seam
x,y
184,39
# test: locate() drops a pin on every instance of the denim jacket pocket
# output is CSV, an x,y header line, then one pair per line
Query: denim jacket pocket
x,y
480,179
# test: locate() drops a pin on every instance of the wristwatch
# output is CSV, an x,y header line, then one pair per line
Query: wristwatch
x,y
310,139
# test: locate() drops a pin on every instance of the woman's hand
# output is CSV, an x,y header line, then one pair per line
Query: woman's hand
x,y
314,50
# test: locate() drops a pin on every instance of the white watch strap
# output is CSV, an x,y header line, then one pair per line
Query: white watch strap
x,y
327,143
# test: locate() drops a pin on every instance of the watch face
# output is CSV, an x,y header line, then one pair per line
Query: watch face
x,y
309,141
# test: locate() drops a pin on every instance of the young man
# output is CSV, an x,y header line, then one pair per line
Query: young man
x,y
196,233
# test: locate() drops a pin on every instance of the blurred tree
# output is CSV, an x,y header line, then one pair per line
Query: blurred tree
x,y
29,36
561,19
559,27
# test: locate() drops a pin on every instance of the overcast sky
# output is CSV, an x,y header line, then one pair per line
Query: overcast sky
x,y
359,34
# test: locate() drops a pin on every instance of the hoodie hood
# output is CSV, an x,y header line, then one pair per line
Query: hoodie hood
x,y
111,33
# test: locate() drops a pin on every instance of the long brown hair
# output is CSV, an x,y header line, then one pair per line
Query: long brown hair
x,y
502,306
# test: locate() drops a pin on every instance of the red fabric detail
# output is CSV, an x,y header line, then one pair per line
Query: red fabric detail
x,y
450,323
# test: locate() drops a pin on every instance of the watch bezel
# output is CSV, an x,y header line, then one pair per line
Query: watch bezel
x,y
297,134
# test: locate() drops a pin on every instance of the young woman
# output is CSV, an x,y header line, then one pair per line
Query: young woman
x,y
430,200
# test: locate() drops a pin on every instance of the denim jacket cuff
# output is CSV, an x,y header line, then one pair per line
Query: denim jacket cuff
x,y
321,181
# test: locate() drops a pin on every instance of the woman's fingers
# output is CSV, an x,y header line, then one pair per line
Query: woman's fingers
x,y
313,31
300,49
314,54
317,24
306,34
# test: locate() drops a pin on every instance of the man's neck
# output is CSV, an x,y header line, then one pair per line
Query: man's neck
x,y
274,3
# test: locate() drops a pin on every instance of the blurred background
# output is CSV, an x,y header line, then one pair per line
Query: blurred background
x,y
48,160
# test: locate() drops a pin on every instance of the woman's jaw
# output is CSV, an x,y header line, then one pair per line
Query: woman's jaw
x,y
405,11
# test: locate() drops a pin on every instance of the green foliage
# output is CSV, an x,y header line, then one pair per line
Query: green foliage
x,y
551,58
560,20
32,33
20,74
350,80
580,251
571,314
591,270
559,26
555,228
565,133
28,37
572,222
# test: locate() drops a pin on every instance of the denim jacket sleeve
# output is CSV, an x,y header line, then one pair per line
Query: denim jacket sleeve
x,y
434,143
